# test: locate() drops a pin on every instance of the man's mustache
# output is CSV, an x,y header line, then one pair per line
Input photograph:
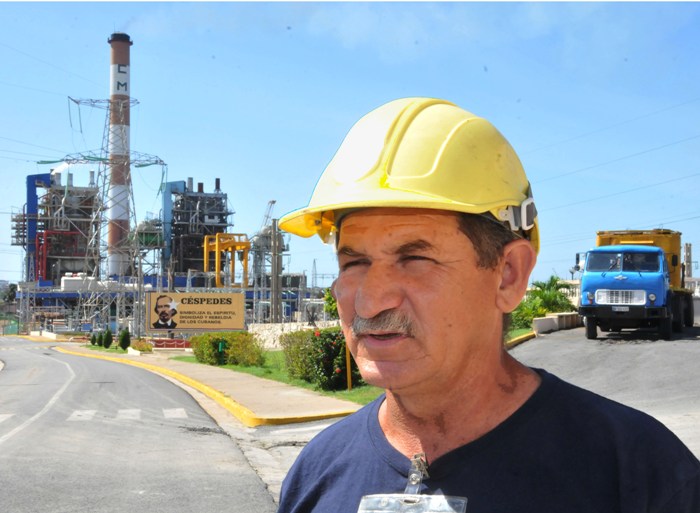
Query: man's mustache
x,y
388,321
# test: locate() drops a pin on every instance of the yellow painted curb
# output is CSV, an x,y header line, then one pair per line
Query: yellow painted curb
x,y
243,414
519,340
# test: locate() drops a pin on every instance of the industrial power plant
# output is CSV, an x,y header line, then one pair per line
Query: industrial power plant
x,y
89,265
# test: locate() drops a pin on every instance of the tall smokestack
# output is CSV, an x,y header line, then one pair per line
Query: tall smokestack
x,y
118,208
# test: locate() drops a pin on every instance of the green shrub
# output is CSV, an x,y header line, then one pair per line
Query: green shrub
x,y
319,358
142,345
93,339
298,354
330,360
124,339
244,348
108,339
330,306
527,310
205,348
230,347
544,297
100,339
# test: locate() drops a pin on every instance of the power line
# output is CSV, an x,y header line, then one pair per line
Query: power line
x,y
24,153
621,192
619,159
18,160
31,144
637,227
615,125
31,88
49,64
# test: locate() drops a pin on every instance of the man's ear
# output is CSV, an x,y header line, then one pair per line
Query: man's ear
x,y
333,290
518,260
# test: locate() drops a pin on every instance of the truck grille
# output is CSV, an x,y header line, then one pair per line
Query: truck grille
x,y
620,297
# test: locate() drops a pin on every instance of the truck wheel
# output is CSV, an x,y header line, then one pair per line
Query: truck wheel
x,y
665,328
677,308
689,314
591,329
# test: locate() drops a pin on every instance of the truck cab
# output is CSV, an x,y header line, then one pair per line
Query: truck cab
x,y
626,286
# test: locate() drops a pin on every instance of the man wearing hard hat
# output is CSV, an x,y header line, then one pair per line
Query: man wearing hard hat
x,y
436,234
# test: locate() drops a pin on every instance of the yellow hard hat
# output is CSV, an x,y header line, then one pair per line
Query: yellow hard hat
x,y
421,153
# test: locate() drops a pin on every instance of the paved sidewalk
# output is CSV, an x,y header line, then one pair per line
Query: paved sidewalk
x,y
253,401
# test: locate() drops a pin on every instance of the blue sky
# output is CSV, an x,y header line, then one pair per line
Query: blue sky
x,y
600,100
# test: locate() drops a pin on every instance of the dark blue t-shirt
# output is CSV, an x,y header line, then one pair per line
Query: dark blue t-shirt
x,y
566,450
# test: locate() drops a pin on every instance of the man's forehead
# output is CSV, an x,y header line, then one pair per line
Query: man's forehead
x,y
402,225
358,220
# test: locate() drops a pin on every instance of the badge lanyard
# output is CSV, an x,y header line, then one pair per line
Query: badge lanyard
x,y
411,500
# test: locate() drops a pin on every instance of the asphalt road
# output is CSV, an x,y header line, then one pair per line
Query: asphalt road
x,y
80,434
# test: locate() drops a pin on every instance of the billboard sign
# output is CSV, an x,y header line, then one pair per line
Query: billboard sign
x,y
194,311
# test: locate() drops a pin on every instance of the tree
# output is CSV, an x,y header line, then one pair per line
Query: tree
x,y
124,339
10,293
552,294
330,306
544,297
107,339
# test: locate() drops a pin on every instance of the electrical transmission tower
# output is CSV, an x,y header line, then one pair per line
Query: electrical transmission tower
x,y
125,292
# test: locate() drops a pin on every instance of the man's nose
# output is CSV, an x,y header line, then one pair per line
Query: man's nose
x,y
379,290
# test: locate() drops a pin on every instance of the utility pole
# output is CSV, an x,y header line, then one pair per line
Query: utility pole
x,y
275,274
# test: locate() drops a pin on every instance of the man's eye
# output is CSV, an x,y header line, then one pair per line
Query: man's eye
x,y
351,263
415,258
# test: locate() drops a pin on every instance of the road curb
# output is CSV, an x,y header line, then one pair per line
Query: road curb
x,y
519,340
243,414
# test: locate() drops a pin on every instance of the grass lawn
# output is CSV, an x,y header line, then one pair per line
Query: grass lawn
x,y
517,333
114,348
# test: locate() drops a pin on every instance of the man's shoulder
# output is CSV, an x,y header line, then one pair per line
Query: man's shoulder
x,y
641,447
571,399
598,419
587,402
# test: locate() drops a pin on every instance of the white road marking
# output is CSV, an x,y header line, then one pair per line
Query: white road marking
x,y
82,415
129,415
174,413
46,407
5,416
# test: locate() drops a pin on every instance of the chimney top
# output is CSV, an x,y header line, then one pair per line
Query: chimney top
x,y
120,36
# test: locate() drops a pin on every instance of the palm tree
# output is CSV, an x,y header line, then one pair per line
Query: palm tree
x,y
552,294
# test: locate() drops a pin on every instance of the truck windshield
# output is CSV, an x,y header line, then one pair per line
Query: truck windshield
x,y
636,262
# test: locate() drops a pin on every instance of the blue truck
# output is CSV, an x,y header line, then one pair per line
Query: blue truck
x,y
635,279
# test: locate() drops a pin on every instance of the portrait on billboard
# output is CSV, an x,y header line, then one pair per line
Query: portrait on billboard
x,y
165,309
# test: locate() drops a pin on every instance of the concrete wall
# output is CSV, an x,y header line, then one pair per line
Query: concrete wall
x,y
269,333
556,322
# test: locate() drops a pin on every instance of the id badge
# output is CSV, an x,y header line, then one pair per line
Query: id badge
x,y
404,503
